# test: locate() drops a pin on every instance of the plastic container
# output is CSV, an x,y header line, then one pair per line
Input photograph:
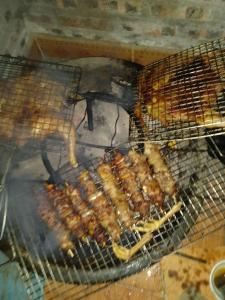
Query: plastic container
x,y
217,278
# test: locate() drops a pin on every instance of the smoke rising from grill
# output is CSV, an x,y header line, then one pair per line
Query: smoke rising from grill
x,y
188,164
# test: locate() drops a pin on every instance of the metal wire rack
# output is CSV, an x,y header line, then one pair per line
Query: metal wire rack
x,y
7,154
181,96
200,180
36,101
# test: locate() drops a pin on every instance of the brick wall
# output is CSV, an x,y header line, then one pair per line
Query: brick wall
x,y
174,24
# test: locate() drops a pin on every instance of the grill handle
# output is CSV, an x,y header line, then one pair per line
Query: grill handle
x,y
89,101
3,209
3,190
54,178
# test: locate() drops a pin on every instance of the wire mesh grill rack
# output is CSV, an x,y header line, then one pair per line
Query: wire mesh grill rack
x,y
181,96
28,241
6,154
36,101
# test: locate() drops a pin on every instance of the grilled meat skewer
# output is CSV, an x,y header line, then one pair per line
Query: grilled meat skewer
x,y
103,210
118,198
88,217
149,185
62,204
49,216
130,185
161,170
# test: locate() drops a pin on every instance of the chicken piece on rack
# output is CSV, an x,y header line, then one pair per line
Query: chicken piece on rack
x,y
161,170
69,217
101,206
188,93
88,217
33,110
150,186
49,216
130,185
112,189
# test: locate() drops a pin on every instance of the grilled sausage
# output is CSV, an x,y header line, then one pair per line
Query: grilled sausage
x,y
161,170
118,198
101,206
69,217
130,185
88,217
149,185
49,216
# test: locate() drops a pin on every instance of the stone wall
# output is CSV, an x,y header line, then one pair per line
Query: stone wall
x,y
174,24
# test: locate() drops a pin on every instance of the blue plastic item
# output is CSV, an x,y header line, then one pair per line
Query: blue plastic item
x,y
12,286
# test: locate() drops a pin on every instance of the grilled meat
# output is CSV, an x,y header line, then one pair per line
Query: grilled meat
x,y
68,216
118,198
29,110
188,95
95,215
49,216
88,217
161,170
130,185
102,208
150,186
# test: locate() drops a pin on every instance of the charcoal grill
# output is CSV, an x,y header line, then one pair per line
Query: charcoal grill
x,y
201,190
194,165
181,96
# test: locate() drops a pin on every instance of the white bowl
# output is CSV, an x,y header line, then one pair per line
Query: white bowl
x,y
214,289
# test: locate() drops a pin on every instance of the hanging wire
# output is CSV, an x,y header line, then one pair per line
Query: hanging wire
x,y
79,142
115,126
113,137
82,120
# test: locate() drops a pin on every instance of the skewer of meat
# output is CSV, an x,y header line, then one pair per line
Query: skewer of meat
x,y
118,198
102,208
69,217
88,217
161,170
149,185
128,178
49,216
